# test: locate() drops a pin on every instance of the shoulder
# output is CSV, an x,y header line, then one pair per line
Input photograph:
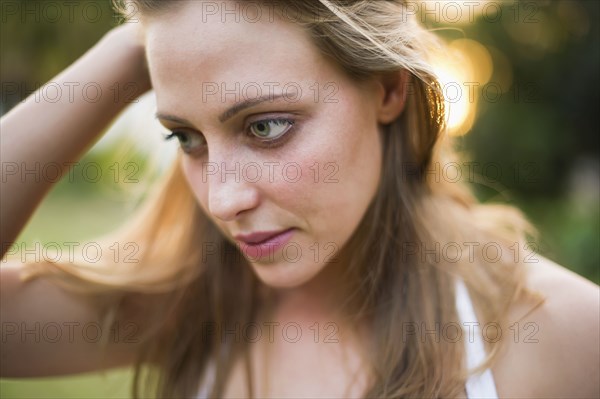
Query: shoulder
x,y
553,349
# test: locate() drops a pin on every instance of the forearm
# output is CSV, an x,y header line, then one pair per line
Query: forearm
x,y
43,131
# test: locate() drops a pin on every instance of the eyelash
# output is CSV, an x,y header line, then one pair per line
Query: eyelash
x,y
268,143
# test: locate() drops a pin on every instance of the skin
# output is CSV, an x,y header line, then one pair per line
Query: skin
x,y
346,133
323,210
562,362
341,137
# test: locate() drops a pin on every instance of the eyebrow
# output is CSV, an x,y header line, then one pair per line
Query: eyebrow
x,y
248,103
230,112
173,118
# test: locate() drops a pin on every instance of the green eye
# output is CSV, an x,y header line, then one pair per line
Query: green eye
x,y
270,129
189,142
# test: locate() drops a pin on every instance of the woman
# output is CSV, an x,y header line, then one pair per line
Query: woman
x,y
299,247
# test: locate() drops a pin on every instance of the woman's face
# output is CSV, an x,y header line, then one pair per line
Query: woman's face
x,y
275,135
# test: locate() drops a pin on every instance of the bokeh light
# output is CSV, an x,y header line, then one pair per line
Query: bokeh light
x,y
463,70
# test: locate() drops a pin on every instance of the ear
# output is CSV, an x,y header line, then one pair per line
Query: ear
x,y
393,89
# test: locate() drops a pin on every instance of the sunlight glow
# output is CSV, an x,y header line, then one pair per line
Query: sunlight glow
x,y
464,69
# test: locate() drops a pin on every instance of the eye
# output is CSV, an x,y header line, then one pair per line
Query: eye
x,y
189,142
270,129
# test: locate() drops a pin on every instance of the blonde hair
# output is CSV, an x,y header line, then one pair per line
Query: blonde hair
x,y
390,286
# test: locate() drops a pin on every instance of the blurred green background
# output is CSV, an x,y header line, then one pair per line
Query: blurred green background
x,y
531,128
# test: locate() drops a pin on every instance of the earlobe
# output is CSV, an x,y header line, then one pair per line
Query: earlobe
x,y
395,89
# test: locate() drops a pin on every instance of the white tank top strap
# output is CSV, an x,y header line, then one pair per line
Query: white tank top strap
x,y
478,385
207,381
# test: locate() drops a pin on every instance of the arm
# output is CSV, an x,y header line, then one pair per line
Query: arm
x,y
38,132
45,329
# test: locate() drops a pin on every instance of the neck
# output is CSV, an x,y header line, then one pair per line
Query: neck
x,y
319,299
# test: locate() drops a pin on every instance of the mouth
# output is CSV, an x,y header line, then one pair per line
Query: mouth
x,y
261,244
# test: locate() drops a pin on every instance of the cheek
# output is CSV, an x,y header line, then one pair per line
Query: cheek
x,y
194,176
341,168
324,182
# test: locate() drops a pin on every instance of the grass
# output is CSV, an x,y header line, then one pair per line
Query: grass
x,y
112,384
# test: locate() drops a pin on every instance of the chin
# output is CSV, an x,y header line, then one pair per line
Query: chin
x,y
284,275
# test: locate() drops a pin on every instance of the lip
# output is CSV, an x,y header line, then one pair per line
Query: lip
x,y
260,244
258,237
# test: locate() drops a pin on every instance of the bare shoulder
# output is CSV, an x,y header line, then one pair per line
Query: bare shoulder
x,y
553,350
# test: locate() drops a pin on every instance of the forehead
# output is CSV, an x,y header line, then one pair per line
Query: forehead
x,y
188,47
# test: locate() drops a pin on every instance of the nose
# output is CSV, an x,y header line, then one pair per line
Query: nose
x,y
230,194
